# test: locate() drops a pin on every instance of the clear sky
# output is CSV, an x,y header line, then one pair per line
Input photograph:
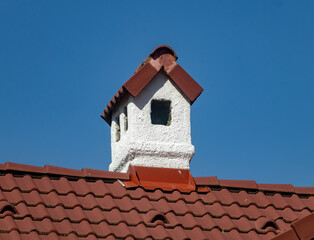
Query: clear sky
x,y
62,61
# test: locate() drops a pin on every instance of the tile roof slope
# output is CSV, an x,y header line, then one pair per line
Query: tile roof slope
x,y
57,203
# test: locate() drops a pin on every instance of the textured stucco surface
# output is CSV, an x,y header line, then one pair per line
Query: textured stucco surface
x,y
145,144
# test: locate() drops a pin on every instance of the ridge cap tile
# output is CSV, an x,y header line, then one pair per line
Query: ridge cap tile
x,y
247,184
2,167
49,169
206,181
63,171
304,190
275,187
95,173
23,167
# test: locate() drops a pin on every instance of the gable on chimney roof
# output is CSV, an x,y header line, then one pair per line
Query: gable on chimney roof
x,y
150,115
162,58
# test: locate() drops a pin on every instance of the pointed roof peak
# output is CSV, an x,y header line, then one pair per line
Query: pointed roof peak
x,y
162,58
162,49
157,53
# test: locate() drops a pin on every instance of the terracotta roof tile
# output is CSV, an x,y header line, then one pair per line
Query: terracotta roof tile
x,y
105,203
193,197
64,171
51,199
62,186
95,215
22,167
98,188
44,184
198,208
243,198
276,187
291,235
62,205
94,173
37,212
304,227
243,184
212,181
304,190
155,195
71,200
162,205
88,202
143,204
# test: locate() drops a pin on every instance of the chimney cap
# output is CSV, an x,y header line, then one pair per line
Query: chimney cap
x,y
162,57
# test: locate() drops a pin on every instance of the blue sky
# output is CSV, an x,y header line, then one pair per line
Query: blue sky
x,y
62,61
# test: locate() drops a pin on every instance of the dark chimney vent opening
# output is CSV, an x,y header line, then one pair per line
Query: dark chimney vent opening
x,y
161,112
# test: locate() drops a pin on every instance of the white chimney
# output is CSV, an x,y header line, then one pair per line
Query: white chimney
x,y
150,115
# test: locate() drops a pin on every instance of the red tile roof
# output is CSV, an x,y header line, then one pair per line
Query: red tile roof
x,y
57,203
162,58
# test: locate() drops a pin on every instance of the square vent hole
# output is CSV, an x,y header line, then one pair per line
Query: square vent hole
x,y
161,112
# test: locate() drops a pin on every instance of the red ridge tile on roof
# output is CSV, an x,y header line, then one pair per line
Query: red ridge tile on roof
x,y
85,172
23,167
63,171
304,190
238,184
212,181
276,187
2,167
94,173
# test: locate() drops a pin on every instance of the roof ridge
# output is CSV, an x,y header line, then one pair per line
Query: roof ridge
x,y
212,181
252,185
64,172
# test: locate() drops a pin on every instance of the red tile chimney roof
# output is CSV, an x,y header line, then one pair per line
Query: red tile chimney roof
x,y
162,58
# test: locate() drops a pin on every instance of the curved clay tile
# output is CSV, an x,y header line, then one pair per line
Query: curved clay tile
x,y
6,207
155,217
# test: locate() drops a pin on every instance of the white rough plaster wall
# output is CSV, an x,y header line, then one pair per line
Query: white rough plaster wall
x,y
146,144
